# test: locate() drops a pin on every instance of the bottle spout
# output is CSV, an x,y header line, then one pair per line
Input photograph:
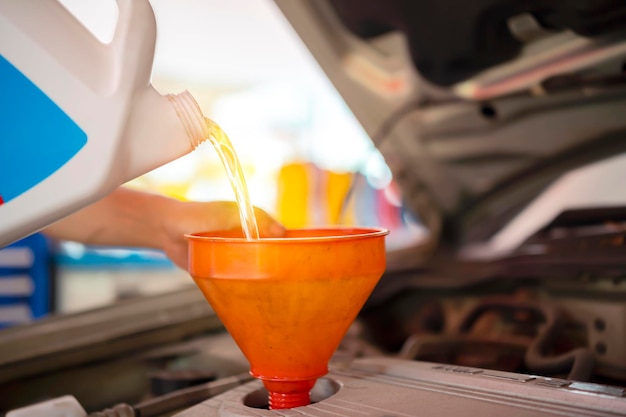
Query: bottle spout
x,y
162,128
190,116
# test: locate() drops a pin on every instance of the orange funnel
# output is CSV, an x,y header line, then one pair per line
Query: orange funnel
x,y
288,301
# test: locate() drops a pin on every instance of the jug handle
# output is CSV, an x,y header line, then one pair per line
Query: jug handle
x,y
133,42
103,68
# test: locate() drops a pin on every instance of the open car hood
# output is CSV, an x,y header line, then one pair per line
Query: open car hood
x,y
495,116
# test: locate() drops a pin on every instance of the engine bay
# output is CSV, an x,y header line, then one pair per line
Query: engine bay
x,y
506,137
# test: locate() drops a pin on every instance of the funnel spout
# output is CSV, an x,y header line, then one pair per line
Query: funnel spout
x,y
289,394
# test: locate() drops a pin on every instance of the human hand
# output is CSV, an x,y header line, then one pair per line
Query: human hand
x,y
180,218
139,219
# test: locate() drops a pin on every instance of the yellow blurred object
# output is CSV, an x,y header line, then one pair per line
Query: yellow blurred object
x,y
310,196
178,191
337,188
175,190
293,195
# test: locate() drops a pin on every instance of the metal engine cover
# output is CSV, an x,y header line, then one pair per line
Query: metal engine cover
x,y
395,387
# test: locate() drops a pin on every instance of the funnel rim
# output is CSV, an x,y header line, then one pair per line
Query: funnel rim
x,y
358,233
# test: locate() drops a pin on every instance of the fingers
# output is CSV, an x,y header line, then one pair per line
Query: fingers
x,y
195,217
268,226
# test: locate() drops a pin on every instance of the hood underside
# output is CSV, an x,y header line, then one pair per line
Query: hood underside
x,y
478,107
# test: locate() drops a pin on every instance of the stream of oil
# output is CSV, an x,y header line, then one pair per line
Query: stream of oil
x,y
228,156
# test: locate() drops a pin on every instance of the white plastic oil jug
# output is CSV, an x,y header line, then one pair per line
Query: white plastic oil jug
x,y
78,118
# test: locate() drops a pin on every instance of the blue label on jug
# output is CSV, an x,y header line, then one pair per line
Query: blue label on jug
x,y
36,136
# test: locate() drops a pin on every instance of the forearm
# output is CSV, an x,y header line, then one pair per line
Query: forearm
x,y
138,219
123,218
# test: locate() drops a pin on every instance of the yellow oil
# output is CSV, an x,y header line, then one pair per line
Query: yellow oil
x,y
228,156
